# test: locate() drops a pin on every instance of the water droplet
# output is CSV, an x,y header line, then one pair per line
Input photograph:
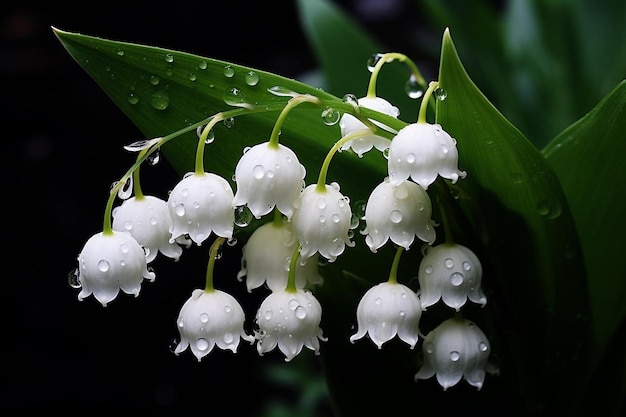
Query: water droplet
x,y
413,89
336,218
300,312
120,52
429,269
351,99
396,216
410,158
243,216
455,356
227,309
482,346
268,314
378,301
322,218
386,153
154,80
293,304
103,265
373,60
154,158
132,98
258,172
210,137
330,116
281,91
429,347
180,209
456,279
448,262
321,203
72,278
192,76
204,318
160,100
252,78
202,65
236,97
202,344
169,58
229,122
229,71
467,266
440,94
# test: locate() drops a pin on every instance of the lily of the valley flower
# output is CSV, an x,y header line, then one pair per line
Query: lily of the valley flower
x,y
289,320
210,318
148,220
350,124
398,213
388,309
110,262
266,258
422,151
199,204
322,222
456,349
450,272
269,175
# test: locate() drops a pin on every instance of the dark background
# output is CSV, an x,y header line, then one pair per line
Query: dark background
x,y
62,148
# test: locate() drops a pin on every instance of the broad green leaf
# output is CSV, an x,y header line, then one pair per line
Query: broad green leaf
x,y
588,157
523,224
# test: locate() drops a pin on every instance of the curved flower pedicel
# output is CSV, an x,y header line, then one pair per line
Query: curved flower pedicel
x,y
322,221
199,204
210,318
422,151
398,213
274,169
148,220
450,272
387,309
266,258
456,349
110,262
289,320
350,124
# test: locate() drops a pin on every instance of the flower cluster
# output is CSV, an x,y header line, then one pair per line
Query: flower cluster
x,y
308,223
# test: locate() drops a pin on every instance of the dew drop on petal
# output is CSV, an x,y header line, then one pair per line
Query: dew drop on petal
x,y
228,338
72,279
204,318
321,203
448,263
428,347
429,269
180,209
227,309
396,216
467,266
258,172
202,344
300,312
103,265
456,279
378,301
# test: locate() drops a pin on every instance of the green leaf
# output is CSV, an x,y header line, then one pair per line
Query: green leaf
x,y
531,250
588,158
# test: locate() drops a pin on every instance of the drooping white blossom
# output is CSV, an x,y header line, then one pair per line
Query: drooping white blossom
x,y
386,310
455,349
110,262
322,222
350,124
289,320
421,151
269,176
199,204
267,255
452,273
148,220
210,318
398,213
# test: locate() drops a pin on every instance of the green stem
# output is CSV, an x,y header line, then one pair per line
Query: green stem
x,y
278,218
136,181
202,142
393,273
421,118
390,57
321,180
213,251
291,278
445,222
293,102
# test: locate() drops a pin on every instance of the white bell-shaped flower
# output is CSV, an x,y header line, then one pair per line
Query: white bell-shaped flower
x,y
322,222
269,176
422,151
452,273
110,262
398,213
388,309
289,320
350,124
267,255
456,349
210,318
199,204
148,220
